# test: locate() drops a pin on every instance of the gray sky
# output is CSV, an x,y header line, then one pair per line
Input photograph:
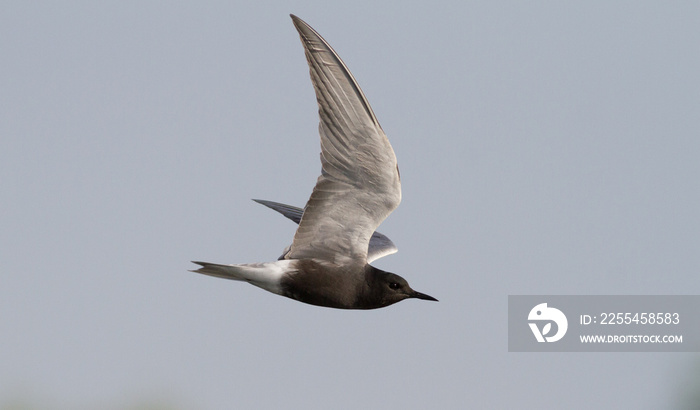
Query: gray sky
x,y
545,148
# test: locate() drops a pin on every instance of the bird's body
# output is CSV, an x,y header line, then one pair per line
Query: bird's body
x,y
327,263
319,282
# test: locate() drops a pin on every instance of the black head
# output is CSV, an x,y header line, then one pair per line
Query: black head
x,y
388,288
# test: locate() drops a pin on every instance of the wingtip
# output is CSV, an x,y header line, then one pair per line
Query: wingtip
x,y
269,204
301,25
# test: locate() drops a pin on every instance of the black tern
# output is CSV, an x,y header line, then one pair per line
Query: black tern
x,y
327,263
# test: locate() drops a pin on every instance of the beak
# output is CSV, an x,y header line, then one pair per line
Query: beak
x,y
423,296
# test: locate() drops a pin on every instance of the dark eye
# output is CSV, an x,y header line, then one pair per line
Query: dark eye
x,y
394,285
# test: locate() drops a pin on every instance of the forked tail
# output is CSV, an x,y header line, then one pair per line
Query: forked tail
x,y
266,275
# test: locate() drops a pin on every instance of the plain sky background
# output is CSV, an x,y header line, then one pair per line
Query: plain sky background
x,y
545,148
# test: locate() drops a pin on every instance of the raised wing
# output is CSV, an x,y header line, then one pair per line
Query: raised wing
x,y
359,184
379,244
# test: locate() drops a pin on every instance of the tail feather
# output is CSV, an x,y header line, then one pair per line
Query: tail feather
x,y
266,275
220,271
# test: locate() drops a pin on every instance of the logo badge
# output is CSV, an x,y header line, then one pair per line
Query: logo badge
x,y
542,313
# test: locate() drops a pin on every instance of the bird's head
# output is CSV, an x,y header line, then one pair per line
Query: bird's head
x,y
388,288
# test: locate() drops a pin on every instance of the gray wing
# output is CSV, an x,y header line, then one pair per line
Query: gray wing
x,y
359,184
289,212
379,244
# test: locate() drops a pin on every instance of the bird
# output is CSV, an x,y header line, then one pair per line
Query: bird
x,y
328,262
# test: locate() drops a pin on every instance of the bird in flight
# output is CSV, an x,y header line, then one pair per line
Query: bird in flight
x,y
327,263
